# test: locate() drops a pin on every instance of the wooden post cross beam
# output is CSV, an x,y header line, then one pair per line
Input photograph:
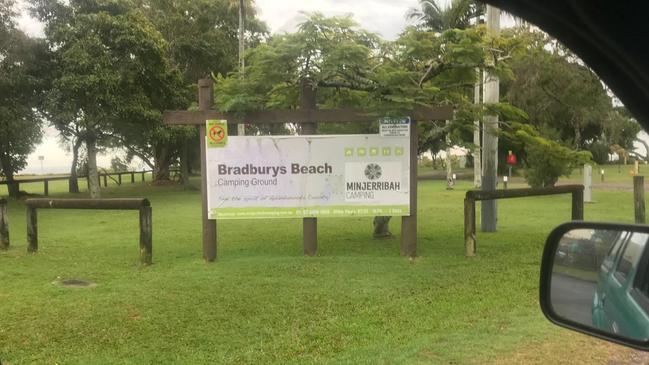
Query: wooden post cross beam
x,y
357,115
307,116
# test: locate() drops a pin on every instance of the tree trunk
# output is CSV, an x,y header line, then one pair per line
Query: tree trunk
x,y
93,174
13,187
184,163
382,227
449,161
449,170
194,155
73,182
8,171
577,128
477,152
162,162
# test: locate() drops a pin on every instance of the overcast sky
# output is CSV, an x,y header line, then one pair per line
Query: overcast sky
x,y
385,17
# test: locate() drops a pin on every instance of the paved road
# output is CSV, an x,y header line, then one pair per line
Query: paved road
x,y
572,298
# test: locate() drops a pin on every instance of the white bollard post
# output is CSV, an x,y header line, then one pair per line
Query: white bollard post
x,y
588,183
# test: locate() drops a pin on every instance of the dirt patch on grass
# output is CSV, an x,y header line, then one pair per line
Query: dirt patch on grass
x,y
572,348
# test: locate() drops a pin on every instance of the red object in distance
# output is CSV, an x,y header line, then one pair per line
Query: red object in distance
x,y
511,159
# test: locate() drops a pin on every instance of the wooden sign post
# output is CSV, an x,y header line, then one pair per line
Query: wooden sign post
x,y
309,225
308,117
205,101
638,199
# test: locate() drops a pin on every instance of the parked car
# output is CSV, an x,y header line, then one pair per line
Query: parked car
x,y
620,304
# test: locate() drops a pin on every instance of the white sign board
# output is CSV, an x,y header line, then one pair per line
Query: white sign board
x,y
309,176
394,127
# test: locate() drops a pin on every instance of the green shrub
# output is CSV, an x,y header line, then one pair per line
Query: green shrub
x,y
547,160
600,152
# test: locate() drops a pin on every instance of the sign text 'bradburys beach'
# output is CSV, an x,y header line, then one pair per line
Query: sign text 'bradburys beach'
x,y
309,176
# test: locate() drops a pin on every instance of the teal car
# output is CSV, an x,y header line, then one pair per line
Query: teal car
x,y
621,299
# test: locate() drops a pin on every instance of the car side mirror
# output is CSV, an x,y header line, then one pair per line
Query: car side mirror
x,y
595,280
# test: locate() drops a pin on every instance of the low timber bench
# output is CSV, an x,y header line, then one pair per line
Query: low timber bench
x,y
140,204
472,196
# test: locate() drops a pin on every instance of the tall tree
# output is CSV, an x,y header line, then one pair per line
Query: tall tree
x,y
21,66
619,132
441,68
7,23
202,39
459,14
563,98
203,35
111,78
330,54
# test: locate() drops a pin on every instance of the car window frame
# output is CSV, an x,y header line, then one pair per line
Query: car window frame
x,y
640,287
624,279
619,279
614,251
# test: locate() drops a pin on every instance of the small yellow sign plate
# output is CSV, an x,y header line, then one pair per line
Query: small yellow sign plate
x,y
216,133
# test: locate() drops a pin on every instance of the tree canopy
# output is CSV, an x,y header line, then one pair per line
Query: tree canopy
x,y
22,73
349,66
458,14
202,34
564,99
110,78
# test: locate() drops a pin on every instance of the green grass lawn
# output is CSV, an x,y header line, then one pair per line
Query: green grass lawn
x,y
612,173
356,302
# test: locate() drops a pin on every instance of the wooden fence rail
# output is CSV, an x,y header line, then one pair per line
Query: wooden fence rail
x,y
4,225
472,196
140,204
103,175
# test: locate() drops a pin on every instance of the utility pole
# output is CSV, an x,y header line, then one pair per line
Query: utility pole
x,y
477,148
489,211
449,162
241,128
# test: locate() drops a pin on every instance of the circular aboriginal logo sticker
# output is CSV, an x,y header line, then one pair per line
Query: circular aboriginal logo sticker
x,y
373,171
